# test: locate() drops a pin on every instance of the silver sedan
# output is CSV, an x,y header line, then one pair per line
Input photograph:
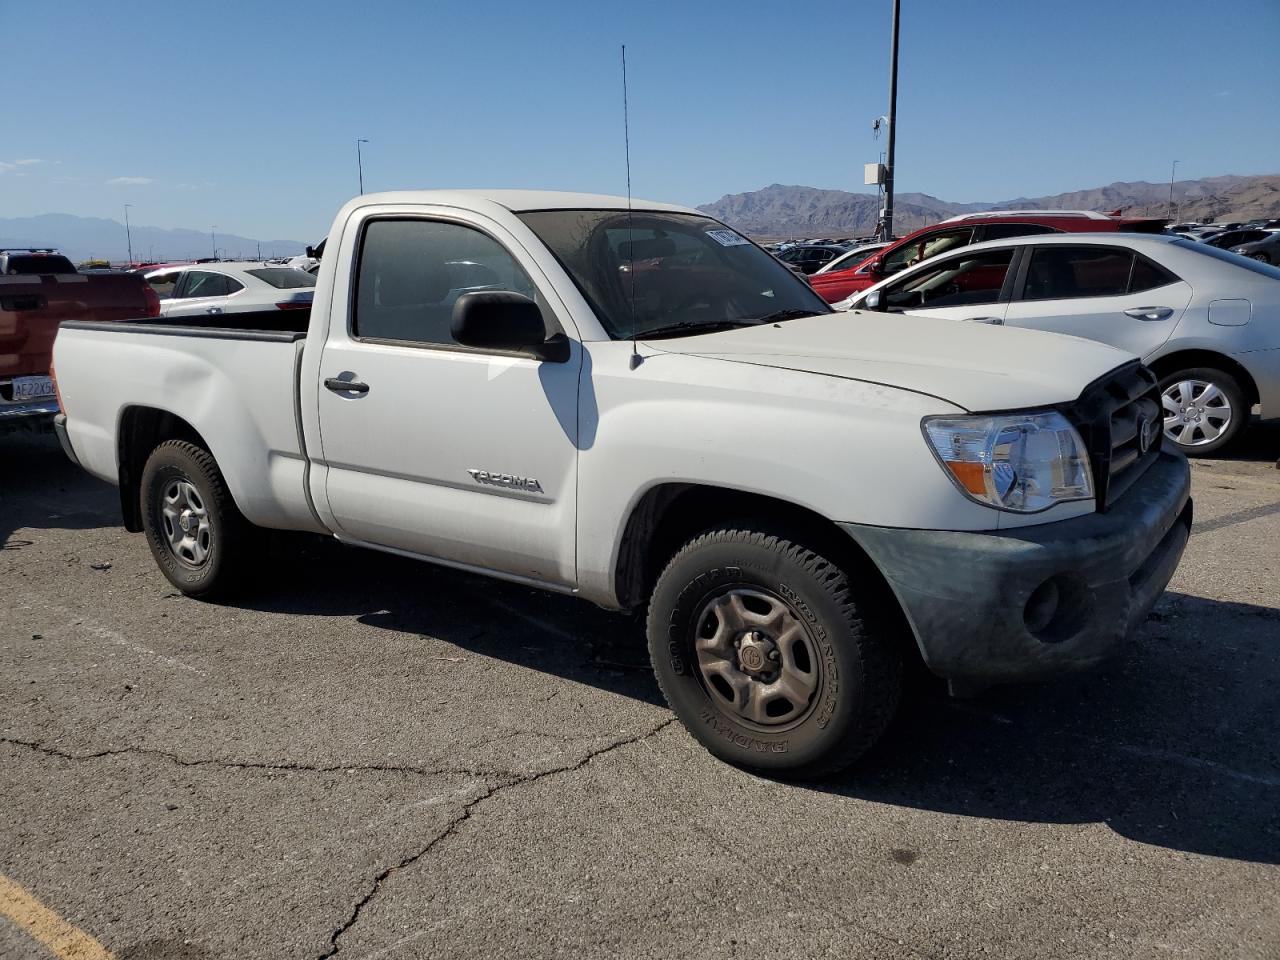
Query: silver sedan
x,y
1207,321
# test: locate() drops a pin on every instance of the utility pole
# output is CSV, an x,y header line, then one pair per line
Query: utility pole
x,y
213,240
1173,211
128,233
360,164
893,127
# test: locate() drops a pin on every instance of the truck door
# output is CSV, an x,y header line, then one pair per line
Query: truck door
x,y
455,453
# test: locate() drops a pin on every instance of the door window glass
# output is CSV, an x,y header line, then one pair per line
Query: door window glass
x,y
966,280
412,272
1061,272
203,284
164,283
1147,276
930,245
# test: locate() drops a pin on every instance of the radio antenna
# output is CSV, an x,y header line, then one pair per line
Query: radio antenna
x,y
631,248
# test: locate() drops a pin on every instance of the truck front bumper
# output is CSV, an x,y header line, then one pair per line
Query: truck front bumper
x,y
1036,601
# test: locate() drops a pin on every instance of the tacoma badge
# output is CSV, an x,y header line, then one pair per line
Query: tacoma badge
x,y
506,480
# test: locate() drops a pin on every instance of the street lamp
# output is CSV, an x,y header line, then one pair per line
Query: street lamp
x,y
893,126
360,163
128,233
1173,211
213,240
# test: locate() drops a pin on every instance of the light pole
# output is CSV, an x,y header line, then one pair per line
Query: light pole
x,y
360,163
128,234
893,126
1173,211
213,240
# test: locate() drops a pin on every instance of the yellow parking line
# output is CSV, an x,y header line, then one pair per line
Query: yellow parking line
x,y
61,938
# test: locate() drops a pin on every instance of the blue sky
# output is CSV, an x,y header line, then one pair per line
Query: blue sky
x,y
245,114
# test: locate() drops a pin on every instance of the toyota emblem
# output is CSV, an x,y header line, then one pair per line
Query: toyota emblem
x,y
1146,434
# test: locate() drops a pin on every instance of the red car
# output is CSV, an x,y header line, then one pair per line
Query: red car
x,y
963,230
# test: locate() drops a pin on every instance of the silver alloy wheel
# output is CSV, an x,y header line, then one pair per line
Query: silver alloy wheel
x,y
1196,412
186,522
756,657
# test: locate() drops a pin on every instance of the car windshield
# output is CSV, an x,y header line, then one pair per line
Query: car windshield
x,y
286,278
38,263
1246,263
676,273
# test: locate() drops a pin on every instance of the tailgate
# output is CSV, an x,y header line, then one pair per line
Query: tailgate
x,y
31,307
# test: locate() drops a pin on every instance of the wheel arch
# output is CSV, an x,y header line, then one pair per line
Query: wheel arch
x,y
1189,359
668,515
140,431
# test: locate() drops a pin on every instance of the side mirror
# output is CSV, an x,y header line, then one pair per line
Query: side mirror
x,y
502,320
873,301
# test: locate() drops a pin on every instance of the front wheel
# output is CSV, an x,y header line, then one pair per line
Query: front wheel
x,y
1204,409
199,538
763,654
1261,256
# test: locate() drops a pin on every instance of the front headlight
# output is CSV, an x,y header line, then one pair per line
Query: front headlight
x,y
1019,462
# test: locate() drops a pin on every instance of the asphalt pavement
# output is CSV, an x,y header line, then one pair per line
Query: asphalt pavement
x,y
371,757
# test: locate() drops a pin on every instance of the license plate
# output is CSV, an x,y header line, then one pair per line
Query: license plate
x,y
32,388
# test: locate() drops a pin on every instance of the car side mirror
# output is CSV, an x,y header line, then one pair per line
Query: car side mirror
x,y
873,301
502,320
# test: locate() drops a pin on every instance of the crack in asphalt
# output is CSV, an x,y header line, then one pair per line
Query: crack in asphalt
x,y
37,747
465,814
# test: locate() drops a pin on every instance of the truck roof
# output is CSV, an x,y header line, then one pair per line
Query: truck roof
x,y
518,201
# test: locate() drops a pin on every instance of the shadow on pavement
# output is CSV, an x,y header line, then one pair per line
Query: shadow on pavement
x,y
41,489
1259,441
1176,744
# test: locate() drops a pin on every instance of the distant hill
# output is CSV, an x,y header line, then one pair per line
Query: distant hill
x,y
84,238
780,210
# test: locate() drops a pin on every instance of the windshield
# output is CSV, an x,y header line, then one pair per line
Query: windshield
x,y
38,263
285,278
1248,263
674,270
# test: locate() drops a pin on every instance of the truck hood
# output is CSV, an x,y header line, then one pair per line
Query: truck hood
x,y
974,366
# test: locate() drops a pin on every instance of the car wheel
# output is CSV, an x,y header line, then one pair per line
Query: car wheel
x,y
761,650
1261,256
1204,410
200,540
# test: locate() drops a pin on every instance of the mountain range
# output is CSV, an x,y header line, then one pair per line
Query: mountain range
x,y
775,211
88,238
780,210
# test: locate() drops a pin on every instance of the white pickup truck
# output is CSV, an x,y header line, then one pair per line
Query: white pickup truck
x,y
641,407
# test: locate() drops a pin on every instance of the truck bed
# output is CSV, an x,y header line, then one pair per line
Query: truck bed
x,y
236,386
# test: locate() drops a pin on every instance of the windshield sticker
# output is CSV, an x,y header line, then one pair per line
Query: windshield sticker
x,y
727,238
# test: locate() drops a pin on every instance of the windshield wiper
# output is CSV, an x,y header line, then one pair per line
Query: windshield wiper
x,y
692,326
792,314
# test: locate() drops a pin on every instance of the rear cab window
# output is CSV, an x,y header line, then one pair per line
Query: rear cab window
x,y
37,263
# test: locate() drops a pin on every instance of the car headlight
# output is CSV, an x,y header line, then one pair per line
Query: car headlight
x,y
1023,462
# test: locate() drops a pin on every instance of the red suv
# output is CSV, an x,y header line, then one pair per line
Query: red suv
x,y
965,229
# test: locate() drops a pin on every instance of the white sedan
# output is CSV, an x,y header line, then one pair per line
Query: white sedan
x,y
1205,320
854,257
209,289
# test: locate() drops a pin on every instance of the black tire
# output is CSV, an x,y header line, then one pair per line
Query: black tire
x,y
227,541
1261,256
858,662
1231,390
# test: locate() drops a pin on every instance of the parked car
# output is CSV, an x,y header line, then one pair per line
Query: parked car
x,y
1265,248
963,230
853,257
799,502
808,258
218,288
1205,320
38,290
1229,239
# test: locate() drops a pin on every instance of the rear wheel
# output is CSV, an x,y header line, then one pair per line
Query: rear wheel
x,y
1204,409
763,653
200,540
1261,256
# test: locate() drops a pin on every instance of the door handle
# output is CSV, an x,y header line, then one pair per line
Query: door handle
x,y
994,321
338,385
1149,313
214,310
